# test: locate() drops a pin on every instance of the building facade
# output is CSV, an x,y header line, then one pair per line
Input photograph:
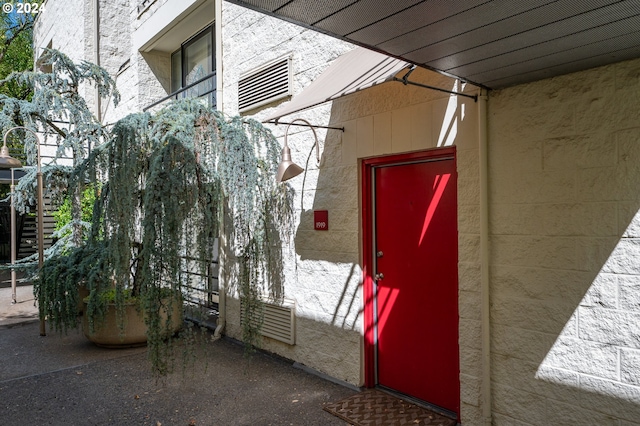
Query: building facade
x,y
481,253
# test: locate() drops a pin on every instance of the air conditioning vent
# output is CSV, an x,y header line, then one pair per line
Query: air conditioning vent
x,y
266,84
279,321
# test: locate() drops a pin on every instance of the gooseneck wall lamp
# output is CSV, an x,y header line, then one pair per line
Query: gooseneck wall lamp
x,y
287,168
39,204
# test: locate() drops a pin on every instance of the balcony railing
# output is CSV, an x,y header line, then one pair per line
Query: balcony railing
x,y
206,86
144,5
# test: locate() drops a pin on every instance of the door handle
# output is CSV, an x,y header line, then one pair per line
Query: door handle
x,y
379,277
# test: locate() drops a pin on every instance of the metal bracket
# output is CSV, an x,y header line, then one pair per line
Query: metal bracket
x,y
276,122
405,80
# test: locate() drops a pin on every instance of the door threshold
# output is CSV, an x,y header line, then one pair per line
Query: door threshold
x,y
420,403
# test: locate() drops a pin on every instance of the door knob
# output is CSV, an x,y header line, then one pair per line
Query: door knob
x,y
379,277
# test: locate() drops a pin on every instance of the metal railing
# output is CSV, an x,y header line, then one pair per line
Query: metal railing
x,y
144,5
200,292
206,86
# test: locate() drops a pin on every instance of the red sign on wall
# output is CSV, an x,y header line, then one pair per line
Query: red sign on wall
x,y
321,220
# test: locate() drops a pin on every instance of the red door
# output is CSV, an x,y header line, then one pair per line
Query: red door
x,y
416,266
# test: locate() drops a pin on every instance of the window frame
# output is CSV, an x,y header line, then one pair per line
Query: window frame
x,y
208,30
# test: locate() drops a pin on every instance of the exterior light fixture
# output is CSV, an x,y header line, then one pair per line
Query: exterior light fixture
x,y
8,162
287,168
39,200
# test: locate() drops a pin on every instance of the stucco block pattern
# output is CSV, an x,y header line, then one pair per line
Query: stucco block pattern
x,y
385,120
629,293
559,413
524,345
323,269
468,276
527,376
519,404
64,30
69,27
610,397
502,420
565,247
629,361
470,414
584,357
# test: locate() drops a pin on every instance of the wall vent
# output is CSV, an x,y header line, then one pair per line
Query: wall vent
x,y
265,84
279,321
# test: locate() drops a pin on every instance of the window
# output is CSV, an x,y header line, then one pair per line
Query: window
x,y
193,67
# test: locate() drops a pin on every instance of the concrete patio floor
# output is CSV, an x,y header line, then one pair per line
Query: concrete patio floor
x,y
66,380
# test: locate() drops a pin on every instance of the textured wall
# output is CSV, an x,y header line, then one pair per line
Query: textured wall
x,y
323,273
565,271
69,27
393,118
324,280
63,25
323,268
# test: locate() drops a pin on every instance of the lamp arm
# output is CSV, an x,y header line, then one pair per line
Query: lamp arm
x,y
34,134
315,136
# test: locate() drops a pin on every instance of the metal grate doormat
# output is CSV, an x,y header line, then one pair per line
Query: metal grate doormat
x,y
376,408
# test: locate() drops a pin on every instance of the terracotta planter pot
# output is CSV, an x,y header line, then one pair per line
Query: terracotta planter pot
x,y
83,292
107,333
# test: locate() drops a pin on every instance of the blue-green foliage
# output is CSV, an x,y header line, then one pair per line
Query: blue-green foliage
x,y
59,114
167,182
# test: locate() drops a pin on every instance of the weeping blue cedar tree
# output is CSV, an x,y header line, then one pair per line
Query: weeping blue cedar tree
x,y
168,182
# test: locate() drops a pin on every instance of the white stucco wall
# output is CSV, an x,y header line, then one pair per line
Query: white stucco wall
x,y
323,274
393,118
141,78
565,228
62,24
565,275
323,269
324,282
68,26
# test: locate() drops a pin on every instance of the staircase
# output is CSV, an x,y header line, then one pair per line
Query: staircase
x,y
28,238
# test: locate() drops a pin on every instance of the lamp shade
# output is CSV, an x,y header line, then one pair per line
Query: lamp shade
x,y
287,168
7,161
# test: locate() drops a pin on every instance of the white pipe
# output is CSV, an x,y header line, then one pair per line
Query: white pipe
x,y
222,293
219,65
222,313
484,258
40,212
13,240
96,55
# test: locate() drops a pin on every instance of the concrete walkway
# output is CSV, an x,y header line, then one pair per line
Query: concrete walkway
x,y
24,310
66,380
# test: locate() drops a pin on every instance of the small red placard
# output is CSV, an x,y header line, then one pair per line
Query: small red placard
x,y
321,220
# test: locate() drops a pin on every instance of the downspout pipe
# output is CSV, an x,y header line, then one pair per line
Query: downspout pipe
x,y
222,276
96,55
222,287
484,259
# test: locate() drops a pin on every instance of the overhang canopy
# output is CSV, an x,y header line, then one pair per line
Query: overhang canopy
x,y
495,44
353,71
